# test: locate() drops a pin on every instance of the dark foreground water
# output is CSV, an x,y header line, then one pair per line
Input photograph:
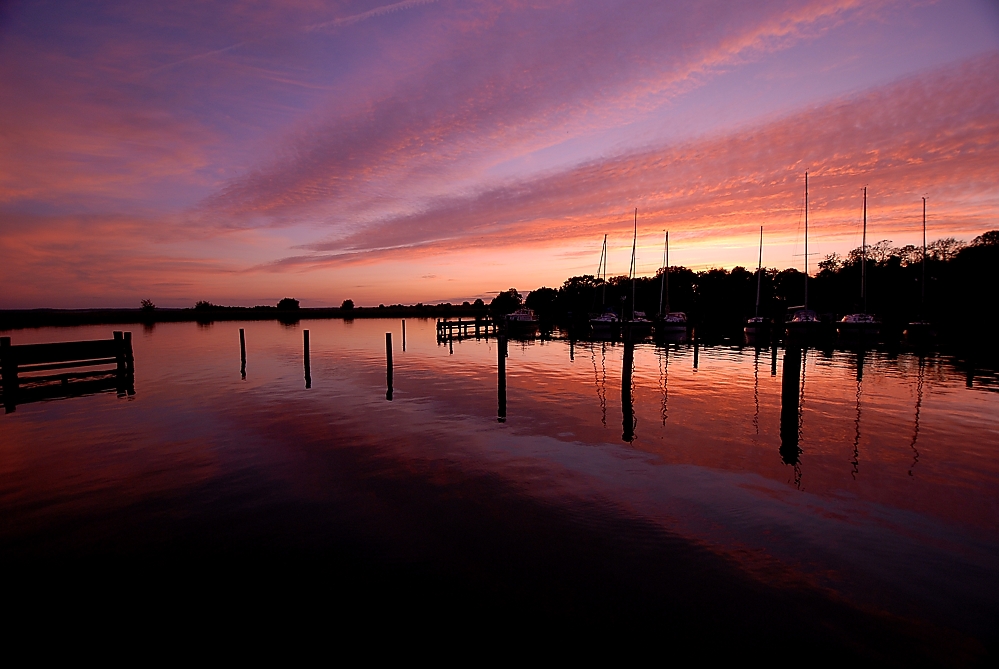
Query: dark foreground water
x,y
736,506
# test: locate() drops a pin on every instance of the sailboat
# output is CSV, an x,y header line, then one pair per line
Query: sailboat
x,y
638,326
670,324
758,325
804,321
921,330
606,324
863,324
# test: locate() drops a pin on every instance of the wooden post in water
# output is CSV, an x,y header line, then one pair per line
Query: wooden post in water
x,y
501,379
627,406
119,352
242,353
388,365
789,394
773,359
119,359
129,380
403,335
308,364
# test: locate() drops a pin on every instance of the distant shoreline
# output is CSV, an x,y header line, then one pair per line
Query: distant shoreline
x,y
16,319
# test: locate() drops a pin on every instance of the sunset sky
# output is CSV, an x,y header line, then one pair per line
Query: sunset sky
x,y
241,152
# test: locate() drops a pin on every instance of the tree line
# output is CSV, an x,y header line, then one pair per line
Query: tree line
x,y
959,290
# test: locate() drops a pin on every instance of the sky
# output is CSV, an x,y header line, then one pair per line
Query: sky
x,y
442,150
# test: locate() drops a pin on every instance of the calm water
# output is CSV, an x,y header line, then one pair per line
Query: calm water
x,y
876,500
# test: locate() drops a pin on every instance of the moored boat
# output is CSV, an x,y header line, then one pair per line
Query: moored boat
x,y
606,324
858,325
921,331
862,325
758,326
804,322
521,322
671,325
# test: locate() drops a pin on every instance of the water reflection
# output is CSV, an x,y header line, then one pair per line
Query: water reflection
x,y
756,390
222,455
856,422
501,355
790,409
919,403
600,379
629,422
663,355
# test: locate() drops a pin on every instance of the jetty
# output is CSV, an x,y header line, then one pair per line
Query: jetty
x,y
478,328
36,372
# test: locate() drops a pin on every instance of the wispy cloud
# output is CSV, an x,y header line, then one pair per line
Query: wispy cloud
x,y
370,14
938,132
503,91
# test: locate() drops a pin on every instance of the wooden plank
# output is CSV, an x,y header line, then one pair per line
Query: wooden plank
x,y
62,365
31,354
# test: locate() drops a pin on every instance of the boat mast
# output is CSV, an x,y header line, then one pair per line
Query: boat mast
x,y
662,283
863,265
759,274
922,296
603,264
806,240
634,268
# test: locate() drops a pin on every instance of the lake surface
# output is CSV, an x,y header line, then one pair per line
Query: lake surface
x,y
861,516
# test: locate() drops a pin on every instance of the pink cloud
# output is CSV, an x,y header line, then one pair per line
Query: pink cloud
x,y
935,133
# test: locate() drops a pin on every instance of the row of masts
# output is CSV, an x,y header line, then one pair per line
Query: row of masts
x,y
664,285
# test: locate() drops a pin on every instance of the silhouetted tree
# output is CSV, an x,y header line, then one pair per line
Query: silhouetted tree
x,y
478,303
990,238
349,304
506,302
147,306
544,302
287,303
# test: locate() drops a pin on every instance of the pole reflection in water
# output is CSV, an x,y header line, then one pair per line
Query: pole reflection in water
x,y
664,380
627,408
600,380
756,390
242,354
919,403
501,378
856,423
308,366
790,408
695,349
773,358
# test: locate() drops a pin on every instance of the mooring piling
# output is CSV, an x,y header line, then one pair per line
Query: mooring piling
x,y
242,353
388,365
627,403
501,378
403,335
308,366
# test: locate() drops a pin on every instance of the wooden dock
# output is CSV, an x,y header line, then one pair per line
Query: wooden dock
x,y
478,328
81,367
